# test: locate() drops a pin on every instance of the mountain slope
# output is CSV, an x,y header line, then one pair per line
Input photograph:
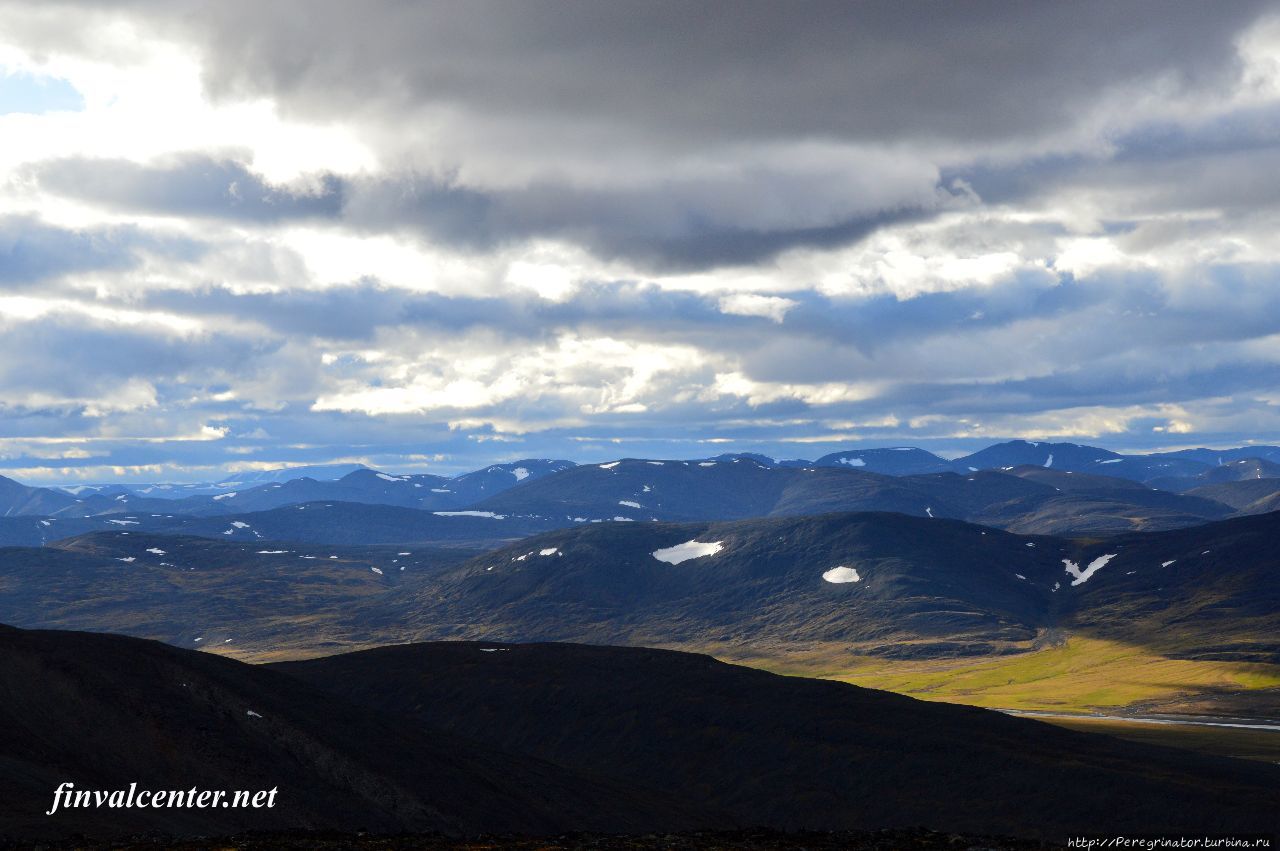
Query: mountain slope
x,y
794,752
107,711
894,461
240,598
922,586
17,499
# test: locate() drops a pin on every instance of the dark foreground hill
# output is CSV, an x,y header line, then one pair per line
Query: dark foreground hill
x,y
792,752
538,740
106,711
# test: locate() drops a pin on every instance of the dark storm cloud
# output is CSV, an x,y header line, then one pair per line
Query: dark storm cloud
x,y
758,69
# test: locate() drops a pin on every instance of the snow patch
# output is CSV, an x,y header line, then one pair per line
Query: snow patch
x,y
549,551
520,473
376,570
240,524
488,514
842,574
156,551
1082,576
124,522
126,559
629,504
1049,463
610,465
227,495
852,462
688,550
1167,563
387,478
271,552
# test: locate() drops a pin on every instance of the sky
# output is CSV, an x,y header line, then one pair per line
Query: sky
x,y
429,236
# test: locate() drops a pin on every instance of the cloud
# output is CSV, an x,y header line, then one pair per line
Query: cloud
x,y
189,186
426,229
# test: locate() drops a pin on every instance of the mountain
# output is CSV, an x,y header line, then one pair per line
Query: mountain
x,y
237,597
1231,471
1210,592
356,524
17,499
1016,453
876,584
886,582
637,489
319,472
110,711
893,461
1217,457
793,752
1248,496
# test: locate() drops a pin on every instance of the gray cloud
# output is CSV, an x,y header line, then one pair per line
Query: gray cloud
x,y
192,185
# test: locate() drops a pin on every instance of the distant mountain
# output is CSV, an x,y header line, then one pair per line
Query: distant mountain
x,y
895,461
17,499
111,711
1016,453
1245,469
319,472
1244,496
357,524
793,752
1218,457
637,489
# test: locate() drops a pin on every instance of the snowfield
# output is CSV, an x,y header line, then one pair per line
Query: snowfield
x,y
688,550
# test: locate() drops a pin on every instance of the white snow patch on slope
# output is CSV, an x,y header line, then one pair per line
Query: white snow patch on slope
x,y
227,495
687,550
489,514
520,473
124,522
610,465
387,478
842,574
126,559
240,524
376,570
629,504
549,551
853,462
1167,563
1049,463
706,463
1111,461
271,552
1082,576
156,551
